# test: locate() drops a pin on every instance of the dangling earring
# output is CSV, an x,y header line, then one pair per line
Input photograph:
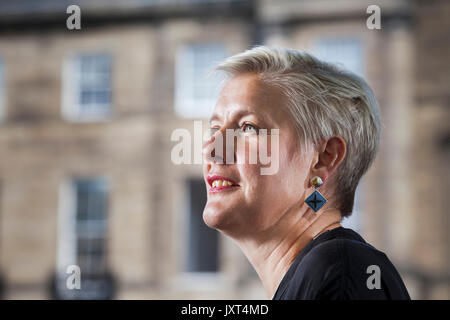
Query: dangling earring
x,y
316,200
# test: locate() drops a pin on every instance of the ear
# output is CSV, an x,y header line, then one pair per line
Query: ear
x,y
329,156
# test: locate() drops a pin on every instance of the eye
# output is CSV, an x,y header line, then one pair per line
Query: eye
x,y
213,130
249,128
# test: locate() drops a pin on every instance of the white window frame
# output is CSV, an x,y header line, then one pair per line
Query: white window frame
x,y
67,244
71,108
354,221
186,104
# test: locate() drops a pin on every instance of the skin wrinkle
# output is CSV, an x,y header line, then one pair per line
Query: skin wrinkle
x,y
266,215
290,244
284,258
287,236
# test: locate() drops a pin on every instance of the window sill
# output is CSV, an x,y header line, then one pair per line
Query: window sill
x,y
90,120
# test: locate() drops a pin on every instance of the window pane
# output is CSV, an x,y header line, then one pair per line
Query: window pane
x,y
101,97
85,64
94,85
86,97
91,199
203,244
196,90
91,210
94,80
90,255
346,52
205,56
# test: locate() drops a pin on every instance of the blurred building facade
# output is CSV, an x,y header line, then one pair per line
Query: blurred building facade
x,y
87,117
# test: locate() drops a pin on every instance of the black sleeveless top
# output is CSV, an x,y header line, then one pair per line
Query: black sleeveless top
x,y
340,265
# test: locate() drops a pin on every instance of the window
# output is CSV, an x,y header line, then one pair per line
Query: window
x,y
87,88
202,245
2,91
195,90
82,238
346,52
91,208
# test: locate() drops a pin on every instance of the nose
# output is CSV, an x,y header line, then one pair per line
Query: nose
x,y
217,150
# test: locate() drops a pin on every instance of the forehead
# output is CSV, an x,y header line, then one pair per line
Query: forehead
x,y
247,94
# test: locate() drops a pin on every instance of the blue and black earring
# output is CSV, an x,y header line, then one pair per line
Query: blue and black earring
x,y
316,200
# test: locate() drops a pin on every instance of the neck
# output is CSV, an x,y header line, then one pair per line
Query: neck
x,y
272,251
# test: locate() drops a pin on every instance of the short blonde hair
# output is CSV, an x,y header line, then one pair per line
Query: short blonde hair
x,y
324,101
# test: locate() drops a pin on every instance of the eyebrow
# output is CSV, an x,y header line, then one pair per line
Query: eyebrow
x,y
214,117
239,114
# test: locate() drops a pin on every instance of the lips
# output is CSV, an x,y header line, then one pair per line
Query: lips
x,y
219,183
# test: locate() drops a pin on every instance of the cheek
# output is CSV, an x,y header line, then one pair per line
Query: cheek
x,y
270,194
251,180
287,186
246,152
294,174
257,151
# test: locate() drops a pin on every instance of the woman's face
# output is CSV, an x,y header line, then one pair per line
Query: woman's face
x,y
254,202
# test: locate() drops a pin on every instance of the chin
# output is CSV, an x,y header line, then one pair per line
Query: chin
x,y
221,220
214,218
226,222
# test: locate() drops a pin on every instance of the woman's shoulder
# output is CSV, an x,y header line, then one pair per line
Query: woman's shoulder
x,y
338,266
342,256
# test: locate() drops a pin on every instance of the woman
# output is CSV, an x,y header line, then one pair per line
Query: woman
x,y
288,223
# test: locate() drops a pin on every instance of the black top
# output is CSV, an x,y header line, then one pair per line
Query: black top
x,y
340,265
